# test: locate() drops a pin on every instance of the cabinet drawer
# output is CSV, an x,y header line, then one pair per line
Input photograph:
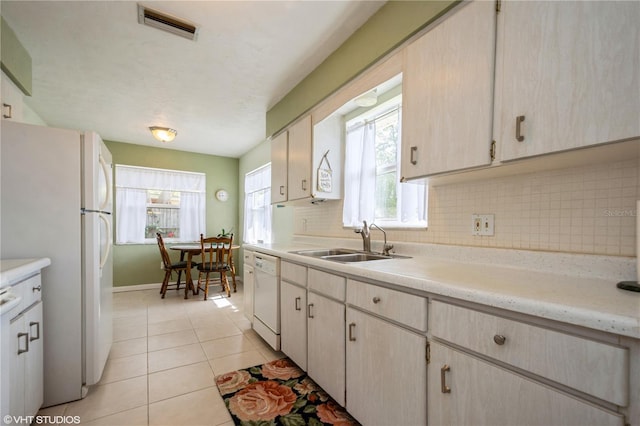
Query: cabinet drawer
x,y
29,290
293,273
327,284
404,308
248,257
596,368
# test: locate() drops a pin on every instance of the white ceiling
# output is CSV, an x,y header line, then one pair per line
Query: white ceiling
x,y
96,68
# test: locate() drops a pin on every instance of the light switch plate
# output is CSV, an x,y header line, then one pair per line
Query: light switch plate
x,y
482,224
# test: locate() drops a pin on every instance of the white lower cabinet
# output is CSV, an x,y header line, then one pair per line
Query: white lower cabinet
x,y
247,284
465,390
26,388
386,372
487,369
293,323
326,345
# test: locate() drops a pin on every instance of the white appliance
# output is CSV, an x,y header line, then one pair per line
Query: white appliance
x,y
266,298
56,202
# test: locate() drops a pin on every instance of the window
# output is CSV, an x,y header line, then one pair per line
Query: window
x,y
372,163
257,205
157,200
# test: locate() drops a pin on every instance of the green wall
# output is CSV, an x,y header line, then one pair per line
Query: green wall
x,y
15,60
140,263
391,25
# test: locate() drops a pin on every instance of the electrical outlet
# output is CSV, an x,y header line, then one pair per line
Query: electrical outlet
x,y
482,224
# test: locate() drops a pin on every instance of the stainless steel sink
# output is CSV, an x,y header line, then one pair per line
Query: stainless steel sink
x,y
356,257
346,255
324,252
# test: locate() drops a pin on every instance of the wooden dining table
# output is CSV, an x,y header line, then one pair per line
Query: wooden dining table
x,y
195,250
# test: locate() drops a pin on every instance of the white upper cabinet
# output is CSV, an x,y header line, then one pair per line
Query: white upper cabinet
x,y
448,94
279,146
567,76
300,145
306,161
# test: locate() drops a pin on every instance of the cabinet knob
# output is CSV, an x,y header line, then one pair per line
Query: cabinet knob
x,y
26,343
499,339
34,289
376,299
519,135
297,303
8,113
309,313
352,326
281,189
443,379
412,158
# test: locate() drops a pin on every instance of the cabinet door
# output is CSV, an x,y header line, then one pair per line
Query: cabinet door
x,y
447,94
464,390
293,323
34,372
386,372
571,70
299,179
19,345
279,146
326,357
247,282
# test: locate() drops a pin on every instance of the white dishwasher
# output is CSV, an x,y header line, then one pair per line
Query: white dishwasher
x,y
266,313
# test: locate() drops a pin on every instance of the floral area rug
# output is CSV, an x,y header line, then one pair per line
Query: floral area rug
x,y
279,393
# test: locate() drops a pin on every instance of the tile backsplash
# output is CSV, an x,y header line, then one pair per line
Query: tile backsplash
x,y
587,209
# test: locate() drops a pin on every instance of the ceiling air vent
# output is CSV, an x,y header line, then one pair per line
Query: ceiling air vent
x,y
165,22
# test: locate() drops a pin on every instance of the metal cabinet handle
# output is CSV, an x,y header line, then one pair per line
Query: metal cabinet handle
x,y
352,326
376,299
298,304
26,343
443,380
309,314
519,120
499,339
7,107
412,159
304,184
281,189
37,336
34,289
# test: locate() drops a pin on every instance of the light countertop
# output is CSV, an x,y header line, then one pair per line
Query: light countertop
x,y
574,289
14,270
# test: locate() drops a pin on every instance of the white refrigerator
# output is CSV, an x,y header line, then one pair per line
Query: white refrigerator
x,y
56,202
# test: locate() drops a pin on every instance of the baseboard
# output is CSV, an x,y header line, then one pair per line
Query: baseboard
x,y
137,287
152,286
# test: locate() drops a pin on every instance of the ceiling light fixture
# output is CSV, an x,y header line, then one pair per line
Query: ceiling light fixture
x,y
163,134
368,99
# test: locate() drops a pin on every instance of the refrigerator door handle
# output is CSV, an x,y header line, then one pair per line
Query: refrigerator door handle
x,y
107,223
107,180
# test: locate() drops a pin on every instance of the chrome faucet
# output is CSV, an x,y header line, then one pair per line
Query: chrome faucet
x,y
386,247
366,236
365,232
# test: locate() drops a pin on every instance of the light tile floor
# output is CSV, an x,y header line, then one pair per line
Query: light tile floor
x,y
165,356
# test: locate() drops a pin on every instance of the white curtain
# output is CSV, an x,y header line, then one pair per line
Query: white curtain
x,y
360,176
192,204
132,184
131,215
257,206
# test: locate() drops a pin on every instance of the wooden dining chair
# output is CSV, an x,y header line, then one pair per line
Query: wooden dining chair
x,y
216,252
169,267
